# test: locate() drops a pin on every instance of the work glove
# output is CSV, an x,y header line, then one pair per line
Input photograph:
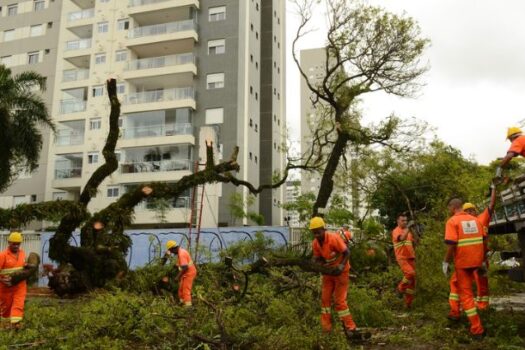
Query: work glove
x,y
445,268
339,269
483,269
6,280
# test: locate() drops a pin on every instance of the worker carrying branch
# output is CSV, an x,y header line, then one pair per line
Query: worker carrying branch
x,y
481,275
12,294
464,240
517,147
187,271
404,242
331,251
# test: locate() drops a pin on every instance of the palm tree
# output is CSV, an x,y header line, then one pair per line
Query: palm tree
x,y
22,112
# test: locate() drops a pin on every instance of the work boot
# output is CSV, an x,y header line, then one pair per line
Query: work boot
x,y
357,335
454,318
479,337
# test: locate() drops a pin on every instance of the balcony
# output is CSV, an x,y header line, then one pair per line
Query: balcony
x,y
156,166
159,100
163,39
68,173
157,131
72,106
148,12
79,44
69,139
75,75
80,18
78,51
143,69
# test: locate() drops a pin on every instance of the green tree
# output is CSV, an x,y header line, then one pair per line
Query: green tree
x,y
22,113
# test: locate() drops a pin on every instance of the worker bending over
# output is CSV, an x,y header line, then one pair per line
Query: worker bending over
x,y
403,241
187,271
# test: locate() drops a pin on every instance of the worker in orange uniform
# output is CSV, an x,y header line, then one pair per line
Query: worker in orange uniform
x,y
346,234
403,241
12,297
464,239
331,251
187,271
517,147
481,276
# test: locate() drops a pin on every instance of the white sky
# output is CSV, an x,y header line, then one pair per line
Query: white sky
x,y
475,88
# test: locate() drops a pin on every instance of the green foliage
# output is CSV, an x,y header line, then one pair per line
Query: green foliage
x,y
249,249
238,211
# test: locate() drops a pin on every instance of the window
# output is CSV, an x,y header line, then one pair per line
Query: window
x,y
215,116
100,58
39,5
9,35
123,24
12,10
215,81
104,1
217,13
121,88
102,27
32,57
118,155
98,91
255,159
256,127
17,200
251,90
257,6
113,192
37,30
59,196
251,122
92,157
251,156
95,123
33,198
256,96
256,35
6,60
216,47
121,55
251,27
251,58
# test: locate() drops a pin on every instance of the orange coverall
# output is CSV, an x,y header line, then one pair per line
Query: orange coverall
x,y
406,258
482,280
466,232
337,286
186,280
12,298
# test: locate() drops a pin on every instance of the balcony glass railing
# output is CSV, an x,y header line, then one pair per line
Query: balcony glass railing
x,y
133,3
78,44
160,95
71,139
157,130
159,62
78,15
72,106
155,166
68,173
75,75
163,28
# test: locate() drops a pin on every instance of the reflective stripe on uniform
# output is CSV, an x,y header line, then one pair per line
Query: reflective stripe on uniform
x,y
16,319
329,261
343,313
483,299
187,303
471,312
404,280
470,241
453,296
402,243
11,270
325,310
410,291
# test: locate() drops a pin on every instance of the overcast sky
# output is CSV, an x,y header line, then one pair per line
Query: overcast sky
x,y
475,88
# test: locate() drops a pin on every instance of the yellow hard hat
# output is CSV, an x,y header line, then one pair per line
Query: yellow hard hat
x,y
15,237
468,206
171,244
513,130
316,222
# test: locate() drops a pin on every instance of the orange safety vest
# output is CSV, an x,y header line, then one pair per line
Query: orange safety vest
x,y
331,250
11,263
403,249
467,233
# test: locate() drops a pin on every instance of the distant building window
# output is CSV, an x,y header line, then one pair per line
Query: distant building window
x,y
6,60
214,116
100,58
215,81
36,30
17,200
59,196
9,35
104,1
216,47
92,157
12,10
33,198
95,123
257,6
102,27
121,55
113,192
121,88
123,24
217,13
33,57
98,90
39,5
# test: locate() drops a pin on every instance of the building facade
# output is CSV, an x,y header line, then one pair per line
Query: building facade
x,y
187,71
28,41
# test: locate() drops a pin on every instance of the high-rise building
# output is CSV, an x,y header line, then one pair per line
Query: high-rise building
x,y
187,71
28,41
292,192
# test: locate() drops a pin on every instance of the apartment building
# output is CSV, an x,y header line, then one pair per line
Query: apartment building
x,y
28,41
187,71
